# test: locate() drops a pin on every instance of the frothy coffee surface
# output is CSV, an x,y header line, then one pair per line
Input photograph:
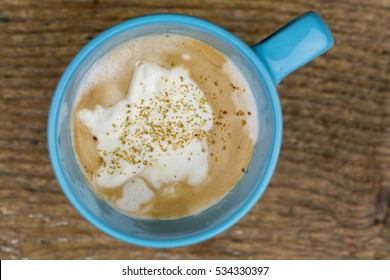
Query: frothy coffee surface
x,y
164,126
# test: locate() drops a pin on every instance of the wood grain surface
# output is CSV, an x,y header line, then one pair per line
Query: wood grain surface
x,y
330,195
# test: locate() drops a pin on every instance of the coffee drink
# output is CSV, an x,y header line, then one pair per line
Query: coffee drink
x,y
164,126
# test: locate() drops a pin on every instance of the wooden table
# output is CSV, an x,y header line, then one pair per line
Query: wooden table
x,y
330,195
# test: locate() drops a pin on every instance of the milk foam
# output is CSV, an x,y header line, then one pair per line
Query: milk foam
x,y
156,183
244,100
135,193
157,132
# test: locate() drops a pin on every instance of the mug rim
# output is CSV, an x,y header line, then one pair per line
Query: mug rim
x,y
154,19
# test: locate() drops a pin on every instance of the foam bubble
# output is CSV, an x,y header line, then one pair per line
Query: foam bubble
x,y
186,56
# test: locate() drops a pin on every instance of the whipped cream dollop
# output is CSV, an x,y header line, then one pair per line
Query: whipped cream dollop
x,y
157,132
135,192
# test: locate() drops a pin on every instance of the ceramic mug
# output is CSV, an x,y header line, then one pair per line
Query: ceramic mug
x,y
264,66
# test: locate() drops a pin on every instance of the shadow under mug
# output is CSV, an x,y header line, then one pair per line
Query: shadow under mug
x,y
264,66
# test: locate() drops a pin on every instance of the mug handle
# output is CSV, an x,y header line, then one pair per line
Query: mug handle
x,y
293,45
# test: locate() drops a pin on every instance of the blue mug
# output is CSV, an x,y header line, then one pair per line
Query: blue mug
x,y
264,65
